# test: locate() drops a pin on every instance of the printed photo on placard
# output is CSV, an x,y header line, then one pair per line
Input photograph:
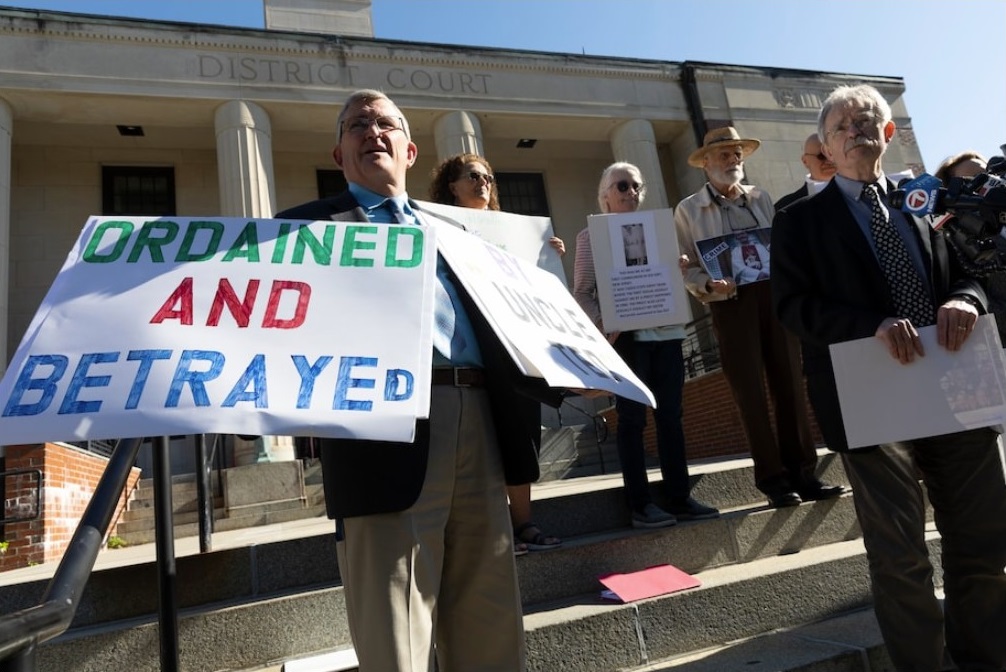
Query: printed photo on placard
x,y
742,256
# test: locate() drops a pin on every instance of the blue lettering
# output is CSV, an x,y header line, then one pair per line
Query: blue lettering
x,y
254,373
81,379
146,359
195,379
25,382
308,374
345,382
392,387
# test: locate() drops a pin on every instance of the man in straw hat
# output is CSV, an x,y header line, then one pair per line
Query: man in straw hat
x,y
753,345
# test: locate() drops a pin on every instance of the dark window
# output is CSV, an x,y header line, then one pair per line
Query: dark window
x,y
523,193
331,183
132,190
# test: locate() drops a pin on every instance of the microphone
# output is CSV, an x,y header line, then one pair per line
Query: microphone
x,y
919,196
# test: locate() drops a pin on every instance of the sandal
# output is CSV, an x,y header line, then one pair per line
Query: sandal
x,y
519,549
531,536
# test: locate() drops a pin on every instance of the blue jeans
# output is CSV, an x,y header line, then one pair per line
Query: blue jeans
x,y
660,366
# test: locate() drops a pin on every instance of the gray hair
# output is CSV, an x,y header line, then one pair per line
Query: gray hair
x,y
606,181
863,94
367,96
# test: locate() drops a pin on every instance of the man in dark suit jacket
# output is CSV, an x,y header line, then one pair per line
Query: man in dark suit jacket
x,y
819,171
829,285
424,539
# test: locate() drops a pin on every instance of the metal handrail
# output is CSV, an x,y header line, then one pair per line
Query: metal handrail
x,y
700,349
22,631
38,495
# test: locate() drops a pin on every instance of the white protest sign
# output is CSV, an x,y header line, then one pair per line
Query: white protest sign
x,y
523,236
181,325
534,315
884,401
639,283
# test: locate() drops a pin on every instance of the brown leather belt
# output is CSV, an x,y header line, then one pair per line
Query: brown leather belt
x,y
459,376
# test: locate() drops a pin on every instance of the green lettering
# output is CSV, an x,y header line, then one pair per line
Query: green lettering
x,y
321,251
185,252
279,251
91,255
146,238
245,245
350,244
390,256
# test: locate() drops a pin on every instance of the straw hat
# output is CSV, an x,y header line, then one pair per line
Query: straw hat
x,y
727,135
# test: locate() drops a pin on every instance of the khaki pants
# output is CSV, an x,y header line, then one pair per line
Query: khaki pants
x,y
441,572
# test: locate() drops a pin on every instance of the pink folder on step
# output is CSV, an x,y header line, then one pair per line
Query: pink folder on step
x,y
659,580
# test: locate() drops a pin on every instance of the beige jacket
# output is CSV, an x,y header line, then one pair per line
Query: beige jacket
x,y
698,217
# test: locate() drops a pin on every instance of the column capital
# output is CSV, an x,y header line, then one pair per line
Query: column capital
x,y
458,132
634,141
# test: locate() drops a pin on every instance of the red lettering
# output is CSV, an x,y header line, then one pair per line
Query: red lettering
x,y
300,313
240,310
182,297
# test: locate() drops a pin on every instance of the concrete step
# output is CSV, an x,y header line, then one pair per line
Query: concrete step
x,y
581,633
247,594
848,643
181,511
270,513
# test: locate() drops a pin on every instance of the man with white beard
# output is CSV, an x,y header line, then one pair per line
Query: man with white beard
x,y
753,345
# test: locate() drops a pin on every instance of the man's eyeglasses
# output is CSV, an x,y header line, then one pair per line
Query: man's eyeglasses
x,y
475,176
624,185
360,125
819,156
860,123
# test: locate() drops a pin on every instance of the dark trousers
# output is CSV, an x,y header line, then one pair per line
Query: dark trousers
x,y
755,348
660,366
963,475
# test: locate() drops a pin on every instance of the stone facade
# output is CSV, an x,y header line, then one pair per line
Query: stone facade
x,y
256,108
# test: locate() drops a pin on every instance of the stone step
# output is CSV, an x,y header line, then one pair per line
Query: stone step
x,y
187,525
279,584
581,633
848,643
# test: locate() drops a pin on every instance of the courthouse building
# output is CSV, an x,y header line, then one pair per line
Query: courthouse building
x,y
103,115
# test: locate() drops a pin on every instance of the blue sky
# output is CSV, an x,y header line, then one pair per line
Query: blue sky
x,y
951,53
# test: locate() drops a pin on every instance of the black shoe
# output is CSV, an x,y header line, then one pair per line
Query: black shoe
x,y
783,498
780,492
816,490
690,509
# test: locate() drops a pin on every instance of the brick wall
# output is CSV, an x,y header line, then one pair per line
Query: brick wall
x,y
711,420
69,477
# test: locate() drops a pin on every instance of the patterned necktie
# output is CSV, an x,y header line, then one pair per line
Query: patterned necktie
x,y
447,338
397,213
908,290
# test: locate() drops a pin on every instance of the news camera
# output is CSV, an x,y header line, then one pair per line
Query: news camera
x,y
973,214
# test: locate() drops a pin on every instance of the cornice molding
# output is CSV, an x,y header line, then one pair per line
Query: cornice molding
x,y
311,46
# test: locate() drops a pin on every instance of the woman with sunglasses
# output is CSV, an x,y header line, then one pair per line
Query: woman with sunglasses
x,y
655,356
467,181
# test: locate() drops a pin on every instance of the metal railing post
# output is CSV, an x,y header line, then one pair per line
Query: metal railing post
x,y
164,531
205,499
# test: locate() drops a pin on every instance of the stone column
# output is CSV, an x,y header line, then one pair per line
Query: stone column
x,y
635,143
458,133
6,129
244,160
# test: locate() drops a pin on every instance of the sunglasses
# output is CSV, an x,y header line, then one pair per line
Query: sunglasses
x,y
820,156
624,185
475,176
